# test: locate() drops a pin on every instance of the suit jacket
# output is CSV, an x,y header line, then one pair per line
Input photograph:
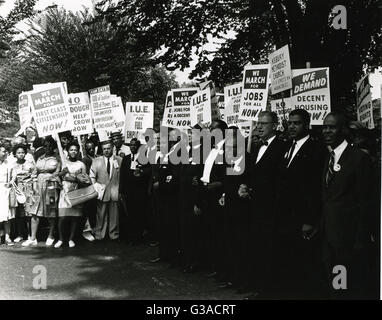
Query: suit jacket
x,y
347,200
263,178
129,181
98,174
299,188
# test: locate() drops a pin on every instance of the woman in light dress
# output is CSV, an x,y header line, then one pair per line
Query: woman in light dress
x,y
46,176
68,215
6,214
21,175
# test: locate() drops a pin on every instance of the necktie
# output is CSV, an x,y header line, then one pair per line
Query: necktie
x,y
291,152
263,143
108,166
330,172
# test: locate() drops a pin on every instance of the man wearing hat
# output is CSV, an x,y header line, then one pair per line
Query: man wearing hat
x,y
119,148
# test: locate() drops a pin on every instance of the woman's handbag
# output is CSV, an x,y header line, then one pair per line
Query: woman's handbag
x,y
20,196
82,195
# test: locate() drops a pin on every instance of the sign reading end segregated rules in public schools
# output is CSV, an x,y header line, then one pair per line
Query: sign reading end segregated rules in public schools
x,y
101,108
255,91
50,109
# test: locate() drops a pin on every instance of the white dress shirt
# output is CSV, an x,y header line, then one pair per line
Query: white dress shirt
x,y
299,144
339,151
264,148
210,161
111,164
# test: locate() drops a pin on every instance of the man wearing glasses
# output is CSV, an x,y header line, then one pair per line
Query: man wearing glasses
x,y
261,188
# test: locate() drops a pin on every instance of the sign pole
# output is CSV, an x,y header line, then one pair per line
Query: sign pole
x,y
60,150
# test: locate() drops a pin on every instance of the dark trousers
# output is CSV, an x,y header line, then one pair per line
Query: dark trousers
x,y
357,267
298,268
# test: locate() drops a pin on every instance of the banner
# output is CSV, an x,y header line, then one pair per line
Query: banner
x,y
139,116
25,114
311,91
50,109
201,107
364,102
281,73
79,107
179,115
282,109
101,108
255,91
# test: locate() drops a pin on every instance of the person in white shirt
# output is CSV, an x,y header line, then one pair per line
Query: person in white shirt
x,y
119,148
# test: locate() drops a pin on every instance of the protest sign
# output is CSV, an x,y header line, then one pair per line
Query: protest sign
x,y
281,73
168,103
101,108
139,116
118,113
179,114
79,107
43,85
281,110
215,112
50,109
201,107
255,91
24,109
221,105
311,91
232,98
364,102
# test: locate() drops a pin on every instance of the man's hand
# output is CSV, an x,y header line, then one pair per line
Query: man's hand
x,y
195,181
222,200
244,191
308,231
197,210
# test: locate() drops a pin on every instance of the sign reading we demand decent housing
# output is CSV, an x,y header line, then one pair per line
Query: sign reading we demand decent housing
x,y
311,91
50,109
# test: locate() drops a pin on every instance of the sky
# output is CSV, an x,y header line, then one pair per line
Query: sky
x,y
76,5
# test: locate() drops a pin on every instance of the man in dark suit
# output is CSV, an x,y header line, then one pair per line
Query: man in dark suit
x,y
209,192
347,197
298,212
261,187
134,191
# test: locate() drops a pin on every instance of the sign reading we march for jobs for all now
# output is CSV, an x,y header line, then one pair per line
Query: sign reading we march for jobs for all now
x,y
50,109
255,91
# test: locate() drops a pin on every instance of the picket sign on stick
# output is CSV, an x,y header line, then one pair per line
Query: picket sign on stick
x,y
249,146
60,150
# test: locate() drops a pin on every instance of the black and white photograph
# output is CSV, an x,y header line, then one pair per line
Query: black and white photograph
x,y
203,151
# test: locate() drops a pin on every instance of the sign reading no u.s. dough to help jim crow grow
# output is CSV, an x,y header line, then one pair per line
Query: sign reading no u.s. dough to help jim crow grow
x,y
79,107
50,109
311,91
255,91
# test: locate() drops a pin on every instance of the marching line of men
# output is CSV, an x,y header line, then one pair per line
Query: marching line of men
x,y
299,210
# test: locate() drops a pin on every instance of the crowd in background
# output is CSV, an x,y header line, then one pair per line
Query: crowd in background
x,y
307,200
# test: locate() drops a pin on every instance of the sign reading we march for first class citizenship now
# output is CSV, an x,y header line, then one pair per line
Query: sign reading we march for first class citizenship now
x,y
255,91
50,109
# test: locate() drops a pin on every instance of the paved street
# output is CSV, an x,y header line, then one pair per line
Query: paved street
x,y
100,271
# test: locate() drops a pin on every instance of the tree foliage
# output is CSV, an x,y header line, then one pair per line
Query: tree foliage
x,y
177,28
65,46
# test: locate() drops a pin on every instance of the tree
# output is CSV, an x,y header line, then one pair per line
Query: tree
x,y
65,46
176,28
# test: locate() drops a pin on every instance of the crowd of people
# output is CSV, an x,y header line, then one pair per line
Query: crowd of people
x,y
305,202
